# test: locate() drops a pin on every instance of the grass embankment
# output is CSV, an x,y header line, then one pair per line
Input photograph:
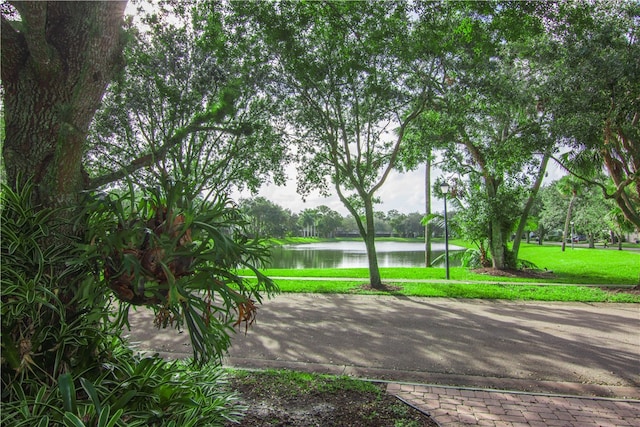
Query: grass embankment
x,y
579,266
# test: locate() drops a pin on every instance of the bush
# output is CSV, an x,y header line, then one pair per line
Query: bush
x,y
63,361
53,319
130,391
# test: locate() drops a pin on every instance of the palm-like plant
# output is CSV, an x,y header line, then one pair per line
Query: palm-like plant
x,y
569,186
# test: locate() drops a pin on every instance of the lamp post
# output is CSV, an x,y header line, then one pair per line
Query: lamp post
x,y
572,234
444,187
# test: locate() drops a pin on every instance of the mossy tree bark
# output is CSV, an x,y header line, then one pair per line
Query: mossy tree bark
x,y
57,60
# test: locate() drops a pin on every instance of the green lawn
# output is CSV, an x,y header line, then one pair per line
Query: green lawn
x,y
573,266
464,290
586,266
579,266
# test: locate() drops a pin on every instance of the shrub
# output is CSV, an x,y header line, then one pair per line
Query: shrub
x,y
130,391
63,283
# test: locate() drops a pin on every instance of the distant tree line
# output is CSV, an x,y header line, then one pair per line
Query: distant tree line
x,y
595,219
267,219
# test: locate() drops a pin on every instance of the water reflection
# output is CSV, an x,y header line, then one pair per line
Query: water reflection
x,y
352,254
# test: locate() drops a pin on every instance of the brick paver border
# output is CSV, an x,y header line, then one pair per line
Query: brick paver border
x,y
451,406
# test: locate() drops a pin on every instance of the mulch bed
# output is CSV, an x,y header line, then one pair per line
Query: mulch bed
x,y
268,406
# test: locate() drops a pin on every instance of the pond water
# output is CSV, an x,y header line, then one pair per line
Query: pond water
x,y
352,254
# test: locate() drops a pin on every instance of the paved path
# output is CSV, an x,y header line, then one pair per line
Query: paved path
x,y
570,349
452,406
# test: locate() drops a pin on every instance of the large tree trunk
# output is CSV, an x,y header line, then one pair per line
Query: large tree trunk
x,y
497,234
56,66
367,232
498,246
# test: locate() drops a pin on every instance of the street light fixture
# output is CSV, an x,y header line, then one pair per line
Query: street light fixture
x,y
444,187
572,234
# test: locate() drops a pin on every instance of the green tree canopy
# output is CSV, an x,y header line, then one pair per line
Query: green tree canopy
x,y
490,123
352,85
184,109
595,75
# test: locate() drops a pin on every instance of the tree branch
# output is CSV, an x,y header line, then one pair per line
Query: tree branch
x,y
150,159
34,18
14,50
620,195
585,179
396,149
232,131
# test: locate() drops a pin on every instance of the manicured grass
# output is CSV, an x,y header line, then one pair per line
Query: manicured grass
x,y
463,290
578,266
290,241
586,266
573,266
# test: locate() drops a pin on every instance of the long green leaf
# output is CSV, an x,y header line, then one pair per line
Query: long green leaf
x,y
124,399
103,418
68,391
72,420
93,394
44,421
115,418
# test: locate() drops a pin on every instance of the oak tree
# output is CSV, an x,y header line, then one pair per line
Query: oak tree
x,y
494,121
57,60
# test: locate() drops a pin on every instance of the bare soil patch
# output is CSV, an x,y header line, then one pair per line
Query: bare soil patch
x,y
385,288
633,291
277,403
524,273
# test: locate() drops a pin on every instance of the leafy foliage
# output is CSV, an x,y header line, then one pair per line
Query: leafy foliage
x,y
129,391
43,337
185,107
488,121
590,212
178,255
595,78
63,361
267,218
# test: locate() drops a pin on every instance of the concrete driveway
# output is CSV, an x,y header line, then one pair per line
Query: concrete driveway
x,y
550,347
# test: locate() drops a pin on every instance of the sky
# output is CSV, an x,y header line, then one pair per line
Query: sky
x,y
403,192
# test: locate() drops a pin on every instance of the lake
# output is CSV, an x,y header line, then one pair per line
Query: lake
x,y
352,254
